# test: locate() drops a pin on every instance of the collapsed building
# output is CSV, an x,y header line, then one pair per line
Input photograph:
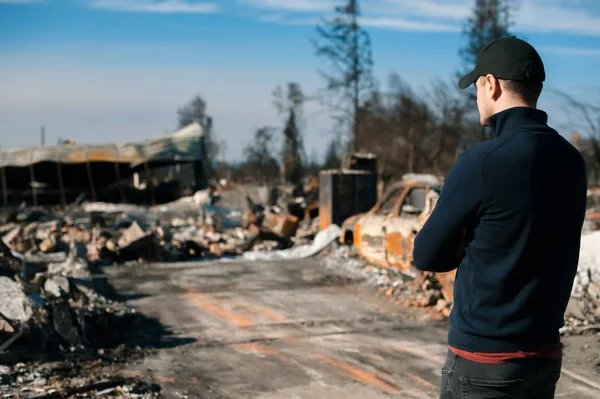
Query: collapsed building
x,y
106,172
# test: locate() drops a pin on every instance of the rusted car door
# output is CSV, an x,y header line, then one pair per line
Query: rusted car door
x,y
369,234
400,228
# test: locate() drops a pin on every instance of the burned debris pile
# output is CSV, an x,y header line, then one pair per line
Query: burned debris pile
x,y
583,312
63,380
49,297
56,303
423,291
56,318
197,228
51,286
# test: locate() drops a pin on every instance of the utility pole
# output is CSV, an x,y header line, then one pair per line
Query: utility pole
x,y
43,136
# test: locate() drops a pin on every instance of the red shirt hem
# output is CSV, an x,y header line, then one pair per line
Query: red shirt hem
x,y
554,351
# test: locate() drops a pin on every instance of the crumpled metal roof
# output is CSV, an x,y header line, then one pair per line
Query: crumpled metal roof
x,y
183,145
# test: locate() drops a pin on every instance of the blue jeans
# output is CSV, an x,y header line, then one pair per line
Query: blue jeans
x,y
517,379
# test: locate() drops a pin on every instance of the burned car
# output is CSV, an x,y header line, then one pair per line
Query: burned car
x,y
385,235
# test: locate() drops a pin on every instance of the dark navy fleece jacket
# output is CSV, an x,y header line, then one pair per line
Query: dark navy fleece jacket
x,y
521,198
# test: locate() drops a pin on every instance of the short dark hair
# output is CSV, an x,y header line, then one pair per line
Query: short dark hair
x,y
529,91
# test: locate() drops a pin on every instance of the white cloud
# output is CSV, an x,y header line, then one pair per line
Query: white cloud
x,y
530,16
432,8
548,17
408,25
160,6
293,5
564,50
560,16
19,1
580,17
282,20
438,9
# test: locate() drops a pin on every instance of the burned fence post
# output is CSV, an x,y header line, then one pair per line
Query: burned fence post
x,y
150,182
119,179
120,183
32,184
88,166
61,185
4,188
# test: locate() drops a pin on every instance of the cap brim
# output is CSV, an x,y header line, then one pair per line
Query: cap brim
x,y
468,80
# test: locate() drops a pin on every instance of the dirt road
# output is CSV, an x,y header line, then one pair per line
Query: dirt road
x,y
291,329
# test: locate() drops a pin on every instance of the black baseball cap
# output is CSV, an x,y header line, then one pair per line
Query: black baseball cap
x,y
507,58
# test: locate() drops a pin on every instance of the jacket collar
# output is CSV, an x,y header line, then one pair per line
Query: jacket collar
x,y
514,118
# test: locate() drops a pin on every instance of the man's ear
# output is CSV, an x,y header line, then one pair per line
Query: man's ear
x,y
493,89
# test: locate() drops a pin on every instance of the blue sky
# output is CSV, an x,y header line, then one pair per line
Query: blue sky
x,y
117,70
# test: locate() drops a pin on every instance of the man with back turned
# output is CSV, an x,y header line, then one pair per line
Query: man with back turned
x,y
516,203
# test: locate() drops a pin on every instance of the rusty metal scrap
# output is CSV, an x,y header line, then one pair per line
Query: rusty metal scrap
x,y
280,224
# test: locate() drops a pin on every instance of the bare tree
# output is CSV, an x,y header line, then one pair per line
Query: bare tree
x,y
347,49
586,118
259,156
290,98
195,111
289,104
447,136
491,20
412,120
313,163
397,126
333,157
292,150
413,133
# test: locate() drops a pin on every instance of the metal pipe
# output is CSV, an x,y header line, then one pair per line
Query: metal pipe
x,y
61,185
91,180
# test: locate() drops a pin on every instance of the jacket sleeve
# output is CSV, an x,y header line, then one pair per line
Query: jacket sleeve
x,y
437,243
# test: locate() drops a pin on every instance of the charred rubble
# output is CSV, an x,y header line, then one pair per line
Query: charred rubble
x,y
58,314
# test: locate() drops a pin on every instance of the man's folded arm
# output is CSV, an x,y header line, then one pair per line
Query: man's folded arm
x,y
437,243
